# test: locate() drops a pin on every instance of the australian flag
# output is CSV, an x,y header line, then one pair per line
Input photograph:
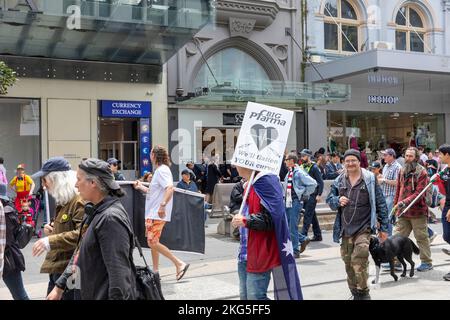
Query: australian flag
x,y
285,278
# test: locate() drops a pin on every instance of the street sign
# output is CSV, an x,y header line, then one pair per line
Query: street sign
x,y
263,138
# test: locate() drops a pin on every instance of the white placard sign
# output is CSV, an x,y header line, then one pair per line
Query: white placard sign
x,y
263,138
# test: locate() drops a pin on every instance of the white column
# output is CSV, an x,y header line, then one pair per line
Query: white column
x,y
317,127
446,5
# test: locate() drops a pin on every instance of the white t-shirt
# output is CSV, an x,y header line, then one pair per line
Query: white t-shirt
x,y
162,178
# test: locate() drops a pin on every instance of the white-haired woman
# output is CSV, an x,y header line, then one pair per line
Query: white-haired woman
x,y
62,233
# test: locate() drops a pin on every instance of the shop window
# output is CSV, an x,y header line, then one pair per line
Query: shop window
x,y
376,131
341,26
410,31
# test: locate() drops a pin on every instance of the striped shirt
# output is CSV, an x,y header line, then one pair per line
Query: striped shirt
x,y
390,172
2,237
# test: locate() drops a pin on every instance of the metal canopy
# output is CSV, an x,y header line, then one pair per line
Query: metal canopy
x,y
275,93
148,32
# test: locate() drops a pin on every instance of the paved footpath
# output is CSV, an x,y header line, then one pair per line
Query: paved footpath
x,y
322,274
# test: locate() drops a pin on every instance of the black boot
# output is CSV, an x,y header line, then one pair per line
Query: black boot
x,y
362,295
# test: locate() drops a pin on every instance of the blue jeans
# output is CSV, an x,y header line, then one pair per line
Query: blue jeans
x,y
242,272
390,205
252,286
257,285
311,218
293,217
445,225
14,282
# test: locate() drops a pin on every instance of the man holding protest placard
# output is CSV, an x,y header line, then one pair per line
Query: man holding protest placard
x,y
258,157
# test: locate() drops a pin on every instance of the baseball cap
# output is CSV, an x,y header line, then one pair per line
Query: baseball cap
x,y
52,165
113,161
20,167
102,170
185,172
389,151
306,152
375,165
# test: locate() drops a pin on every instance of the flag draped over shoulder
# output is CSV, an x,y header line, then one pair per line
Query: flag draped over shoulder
x,y
286,279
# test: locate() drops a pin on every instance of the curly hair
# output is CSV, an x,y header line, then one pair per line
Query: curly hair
x,y
161,156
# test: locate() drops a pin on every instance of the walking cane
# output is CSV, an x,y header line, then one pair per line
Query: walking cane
x,y
433,180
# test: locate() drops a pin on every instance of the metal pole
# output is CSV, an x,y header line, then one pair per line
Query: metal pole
x,y
47,206
247,190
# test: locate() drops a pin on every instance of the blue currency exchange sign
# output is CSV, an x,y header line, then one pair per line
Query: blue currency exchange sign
x,y
125,109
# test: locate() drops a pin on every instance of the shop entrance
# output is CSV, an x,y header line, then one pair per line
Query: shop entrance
x,y
21,134
118,139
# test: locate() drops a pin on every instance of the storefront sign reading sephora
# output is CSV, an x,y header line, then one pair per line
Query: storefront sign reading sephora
x,y
383,99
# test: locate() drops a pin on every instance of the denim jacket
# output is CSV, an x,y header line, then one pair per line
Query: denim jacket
x,y
302,182
377,203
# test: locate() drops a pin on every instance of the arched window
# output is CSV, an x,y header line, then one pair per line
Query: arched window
x,y
341,15
233,65
409,30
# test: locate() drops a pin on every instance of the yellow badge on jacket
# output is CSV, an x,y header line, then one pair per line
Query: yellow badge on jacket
x,y
65,217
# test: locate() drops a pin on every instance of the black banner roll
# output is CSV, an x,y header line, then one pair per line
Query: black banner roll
x,y
185,232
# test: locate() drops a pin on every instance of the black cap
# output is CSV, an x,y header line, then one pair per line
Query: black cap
x,y
114,161
52,165
352,152
306,152
185,171
102,170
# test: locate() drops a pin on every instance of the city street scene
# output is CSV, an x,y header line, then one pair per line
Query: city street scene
x,y
227,150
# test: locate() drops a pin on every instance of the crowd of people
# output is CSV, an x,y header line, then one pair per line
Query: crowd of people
x,y
89,243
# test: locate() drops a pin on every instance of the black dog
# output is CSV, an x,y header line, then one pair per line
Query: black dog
x,y
395,246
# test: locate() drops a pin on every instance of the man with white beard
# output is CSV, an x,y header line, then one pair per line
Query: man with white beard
x,y
62,233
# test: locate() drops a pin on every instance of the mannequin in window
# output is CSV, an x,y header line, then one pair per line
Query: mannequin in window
x,y
412,139
368,151
352,140
332,145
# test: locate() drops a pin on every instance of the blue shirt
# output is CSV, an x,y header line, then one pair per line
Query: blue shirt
x,y
190,187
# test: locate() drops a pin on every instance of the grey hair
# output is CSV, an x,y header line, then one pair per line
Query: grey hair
x,y
104,190
62,186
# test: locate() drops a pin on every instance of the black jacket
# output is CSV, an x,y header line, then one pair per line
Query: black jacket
x,y
236,197
105,260
14,259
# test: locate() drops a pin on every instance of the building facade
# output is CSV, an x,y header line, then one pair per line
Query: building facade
x,y
248,48
91,78
396,57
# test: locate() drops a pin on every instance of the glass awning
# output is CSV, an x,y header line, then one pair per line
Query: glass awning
x,y
275,93
124,31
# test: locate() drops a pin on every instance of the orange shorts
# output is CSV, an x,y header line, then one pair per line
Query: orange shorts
x,y
153,229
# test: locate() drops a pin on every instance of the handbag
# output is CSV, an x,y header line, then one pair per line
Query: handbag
x,y
148,283
23,234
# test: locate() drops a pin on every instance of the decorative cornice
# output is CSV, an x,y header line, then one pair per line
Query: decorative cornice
x,y
258,7
263,12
